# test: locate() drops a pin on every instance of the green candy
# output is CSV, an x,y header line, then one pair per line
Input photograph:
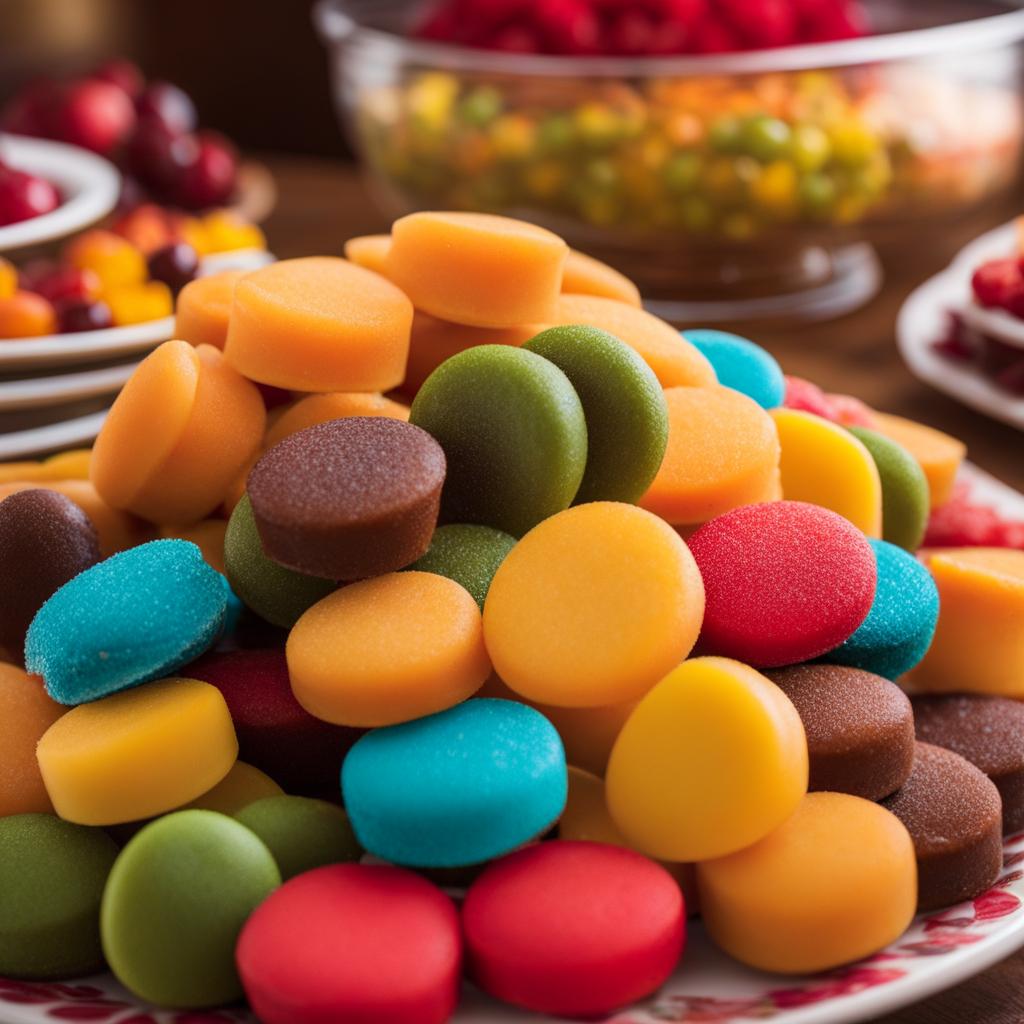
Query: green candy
x,y
52,875
906,499
273,592
468,554
627,418
301,833
513,432
176,900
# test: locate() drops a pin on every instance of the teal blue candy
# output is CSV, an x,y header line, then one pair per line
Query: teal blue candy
x,y
899,628
624,405
468,554
134,617
456,788
741,365
513,432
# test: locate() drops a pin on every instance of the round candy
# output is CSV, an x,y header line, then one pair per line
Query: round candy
x,y
45,540
593,607
52,875
369,251
348,498
711,760
457,788
134,617
175,903
273,592
301,833
859,726
468,554
939,455
138,753
584,275
353,942
833,883
207,535
900,626
513,432
612,928
625,411
203,308
388,650
586,815
243,785
741,365
338,405
785,582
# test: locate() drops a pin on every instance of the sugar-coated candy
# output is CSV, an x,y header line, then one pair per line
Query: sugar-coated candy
x,y
26,712
784,581
243,785
513,433
584,275
52,875
624,408
954,816
353,942
139,753
319,324
468,554
388,650
203,309
613,928
348,498
558,626
939,455
833,883
45,540
710,761
176,900
859,727
136,616
369,251
314,409
741,365
456,788
899,628
301,833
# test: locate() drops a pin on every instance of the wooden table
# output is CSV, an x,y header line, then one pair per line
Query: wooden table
x,y
323,203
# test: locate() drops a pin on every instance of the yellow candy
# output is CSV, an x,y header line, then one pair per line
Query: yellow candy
x,y
826,465
711,760
8,279
227,231
243,785
586,812
70,465
139,303
138,753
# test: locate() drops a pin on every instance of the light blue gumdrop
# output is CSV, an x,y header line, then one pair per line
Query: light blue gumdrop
x,y
899,628
458,787
741,365
134,617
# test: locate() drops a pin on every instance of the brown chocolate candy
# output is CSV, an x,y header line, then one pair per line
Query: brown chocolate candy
x,y
350,498
955,817
859,726
45,540
989,732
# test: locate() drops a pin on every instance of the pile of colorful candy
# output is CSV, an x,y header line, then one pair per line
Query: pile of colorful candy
x,y
24,196
598,578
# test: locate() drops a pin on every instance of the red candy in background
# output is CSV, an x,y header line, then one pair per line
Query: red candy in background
x,y
784,582
353,942
962,522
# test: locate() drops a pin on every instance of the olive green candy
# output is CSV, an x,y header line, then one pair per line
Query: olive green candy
x,y
175,902
513,432
468,554
273,592
906,499
301,833
52,875
624,406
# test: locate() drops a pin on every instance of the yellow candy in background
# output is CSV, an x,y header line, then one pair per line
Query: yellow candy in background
x,y
243,785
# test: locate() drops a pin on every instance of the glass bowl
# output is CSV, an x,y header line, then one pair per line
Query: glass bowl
x,y
729,187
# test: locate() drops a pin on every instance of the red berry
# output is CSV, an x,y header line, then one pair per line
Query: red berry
x,y
66,283
23,196
568,26
836,22
175,265
94,115
122,73
996,283
210,178
714,36
158,156
761,23
170,105
516,39
75,315
632,33
31,111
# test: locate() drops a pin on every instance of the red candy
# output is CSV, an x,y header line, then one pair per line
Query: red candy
x,y
355,943
964,523
573,928
784,582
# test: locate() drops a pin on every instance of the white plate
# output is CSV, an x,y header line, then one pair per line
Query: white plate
x,y
40,392
88,184
75,433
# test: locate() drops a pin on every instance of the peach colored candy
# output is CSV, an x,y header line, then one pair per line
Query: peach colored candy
x,y
178,435
939,454
979,642
207,535
824,464
204,308
723,452
26,713
675,362
319,324
314,409
584,275
476,268
835,882
370,252
69,465
243,785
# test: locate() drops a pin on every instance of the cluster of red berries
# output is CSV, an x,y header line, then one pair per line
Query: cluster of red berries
x,y
965,522
23,195
640,27
148,128
999,284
